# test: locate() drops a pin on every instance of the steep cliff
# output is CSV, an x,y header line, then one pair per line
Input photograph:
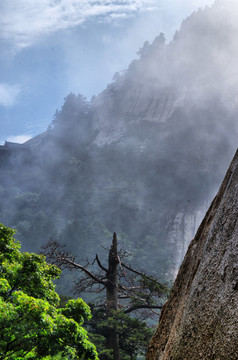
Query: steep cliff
x,y
200,319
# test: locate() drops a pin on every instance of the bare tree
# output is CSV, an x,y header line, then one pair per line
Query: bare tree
x,y
119,286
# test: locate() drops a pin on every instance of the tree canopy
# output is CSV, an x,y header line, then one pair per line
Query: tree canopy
x,y
31,321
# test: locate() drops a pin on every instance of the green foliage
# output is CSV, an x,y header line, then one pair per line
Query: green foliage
x,y
134,334
32,325
153,285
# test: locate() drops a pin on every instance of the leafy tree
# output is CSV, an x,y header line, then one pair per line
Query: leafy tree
x,y
144,51
134,334
31,323
75,106
126,289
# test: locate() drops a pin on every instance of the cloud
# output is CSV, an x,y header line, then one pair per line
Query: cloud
x,y
24,21
9,94
20,139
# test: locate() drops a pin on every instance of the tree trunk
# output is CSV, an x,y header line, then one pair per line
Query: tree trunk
x,y
112,295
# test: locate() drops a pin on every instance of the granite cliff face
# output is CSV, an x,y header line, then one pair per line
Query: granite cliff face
x,y
199,321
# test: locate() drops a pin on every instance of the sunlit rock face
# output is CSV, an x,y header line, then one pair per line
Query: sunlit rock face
x,y
200,319
181,229
128,102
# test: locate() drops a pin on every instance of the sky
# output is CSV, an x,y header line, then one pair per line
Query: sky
x,y
49,48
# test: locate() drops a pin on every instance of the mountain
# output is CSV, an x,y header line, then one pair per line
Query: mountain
x,y
200,317
143,158
197,68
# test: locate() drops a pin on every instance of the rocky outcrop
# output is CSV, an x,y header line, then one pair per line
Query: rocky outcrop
x,y
199,321
129,103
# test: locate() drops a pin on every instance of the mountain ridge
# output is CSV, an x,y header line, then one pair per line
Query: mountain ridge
x,y
143,158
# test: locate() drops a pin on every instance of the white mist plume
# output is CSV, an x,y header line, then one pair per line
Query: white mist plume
x,y
20,139
9,94
25,20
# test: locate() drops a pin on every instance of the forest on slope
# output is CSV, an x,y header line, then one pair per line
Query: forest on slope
x,y
143,158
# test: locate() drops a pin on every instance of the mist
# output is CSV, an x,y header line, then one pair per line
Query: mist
x,y
143,158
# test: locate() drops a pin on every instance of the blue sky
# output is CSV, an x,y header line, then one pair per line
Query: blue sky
x,y
50,48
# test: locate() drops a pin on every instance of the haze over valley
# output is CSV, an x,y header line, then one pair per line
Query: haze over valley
x,y
143,158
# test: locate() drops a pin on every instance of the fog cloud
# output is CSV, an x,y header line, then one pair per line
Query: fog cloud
x,y
9,94
146,156
20,139
25,21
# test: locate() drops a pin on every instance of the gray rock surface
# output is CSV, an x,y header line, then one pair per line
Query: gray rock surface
x,y
200,319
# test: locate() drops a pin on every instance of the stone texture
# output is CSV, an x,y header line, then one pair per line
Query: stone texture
x,y
200,319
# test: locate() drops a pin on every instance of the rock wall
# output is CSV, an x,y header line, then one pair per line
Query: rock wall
x,y
200,319
127,103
